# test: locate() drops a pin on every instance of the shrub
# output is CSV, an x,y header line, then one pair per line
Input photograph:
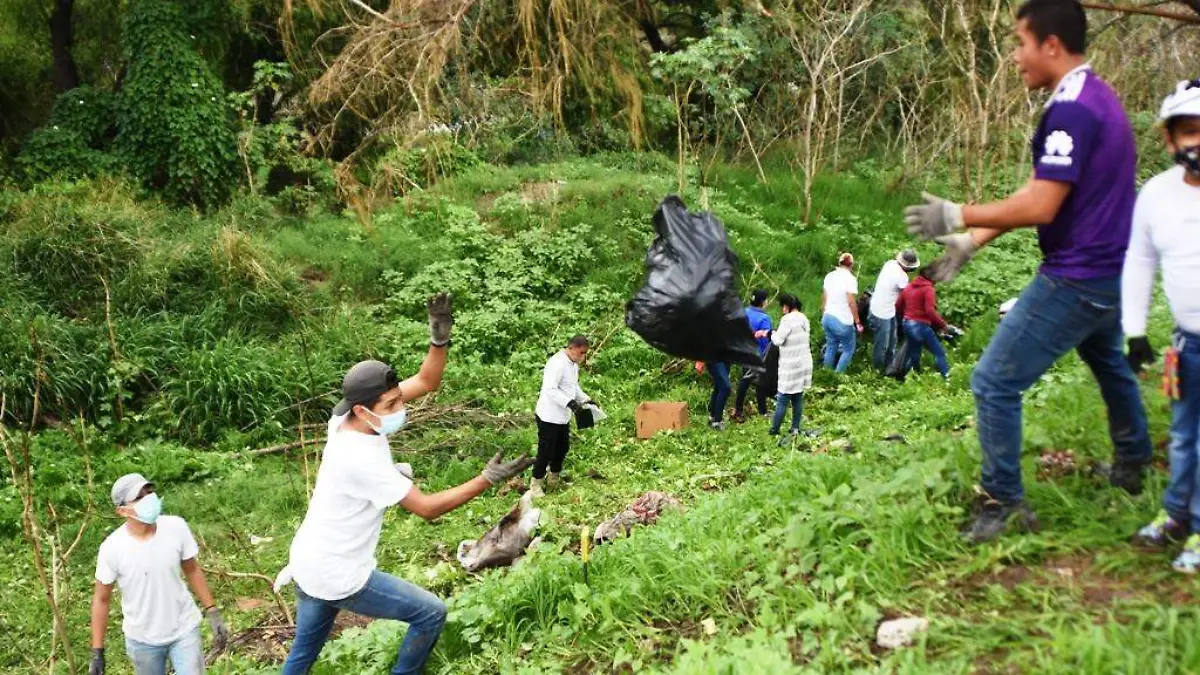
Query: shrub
x,y
174,128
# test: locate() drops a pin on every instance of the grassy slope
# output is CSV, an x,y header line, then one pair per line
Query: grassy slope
x,y
794,555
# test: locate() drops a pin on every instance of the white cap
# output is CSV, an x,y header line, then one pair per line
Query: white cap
x,y
1183,102
127,487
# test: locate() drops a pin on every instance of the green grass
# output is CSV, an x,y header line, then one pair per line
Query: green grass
x,y
791,555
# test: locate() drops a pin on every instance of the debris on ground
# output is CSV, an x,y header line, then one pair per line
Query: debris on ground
x,y
644,510
1056,464
900,632
504,543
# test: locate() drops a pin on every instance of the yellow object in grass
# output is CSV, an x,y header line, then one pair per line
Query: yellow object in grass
x,y
585,544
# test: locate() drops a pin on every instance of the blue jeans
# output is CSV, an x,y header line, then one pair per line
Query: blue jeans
x,y
781,406
839,337
922,335
719,372
384,597
1052,317
186,655
1182,498
883,345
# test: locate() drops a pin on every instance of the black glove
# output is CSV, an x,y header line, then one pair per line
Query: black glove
x,y
573,405
96,667
1140,354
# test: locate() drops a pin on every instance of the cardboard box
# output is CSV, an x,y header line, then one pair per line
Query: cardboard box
x,y
654,416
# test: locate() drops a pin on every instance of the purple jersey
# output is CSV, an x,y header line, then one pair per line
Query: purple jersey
x,y
1085,139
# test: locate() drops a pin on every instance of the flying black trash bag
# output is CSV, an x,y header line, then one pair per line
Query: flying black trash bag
x,y
689,305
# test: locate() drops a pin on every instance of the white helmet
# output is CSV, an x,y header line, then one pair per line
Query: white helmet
x,y
1183,102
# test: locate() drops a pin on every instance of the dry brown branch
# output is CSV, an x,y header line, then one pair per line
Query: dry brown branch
x,y
279,601
1147,11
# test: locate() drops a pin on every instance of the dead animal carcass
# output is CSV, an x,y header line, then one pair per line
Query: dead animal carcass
x,y
644,510
505,542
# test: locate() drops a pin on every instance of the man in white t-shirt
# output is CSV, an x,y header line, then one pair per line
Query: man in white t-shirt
x,y
333,553
839,298
560,397
892,279
148,559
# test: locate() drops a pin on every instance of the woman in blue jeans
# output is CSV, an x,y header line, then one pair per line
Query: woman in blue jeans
x,y
795,363
718,371
917,305
839,299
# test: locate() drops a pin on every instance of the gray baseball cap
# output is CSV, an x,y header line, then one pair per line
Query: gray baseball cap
x,y
908,259
364,382
127,487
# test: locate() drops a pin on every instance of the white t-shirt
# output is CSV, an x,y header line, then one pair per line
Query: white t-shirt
x,y
333,552
837,284
158,608
1166,231
892,279
560,386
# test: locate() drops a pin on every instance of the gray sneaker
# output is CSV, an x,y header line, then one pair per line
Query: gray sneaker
x,y
996,517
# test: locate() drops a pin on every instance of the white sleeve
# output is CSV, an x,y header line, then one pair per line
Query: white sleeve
x,y
551,378
106,571
188,548
381,483
1137,278
785,329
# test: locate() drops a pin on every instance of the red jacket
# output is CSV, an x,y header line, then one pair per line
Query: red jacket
x,y
918,302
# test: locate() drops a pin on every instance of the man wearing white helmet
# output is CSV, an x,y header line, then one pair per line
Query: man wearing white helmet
x,y
1166,233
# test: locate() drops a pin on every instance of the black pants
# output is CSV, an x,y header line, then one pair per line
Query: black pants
x,y
750,378
553,442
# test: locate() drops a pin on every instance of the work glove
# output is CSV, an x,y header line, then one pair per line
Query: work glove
x,y
219,630
498,470
405,469
440,319
935,218
573,405
96,667
1140,355
591,401
960,248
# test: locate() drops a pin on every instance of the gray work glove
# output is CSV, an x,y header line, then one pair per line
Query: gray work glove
x,y
405,469
440,319
935,218
960,248
498,470
96,667
219,630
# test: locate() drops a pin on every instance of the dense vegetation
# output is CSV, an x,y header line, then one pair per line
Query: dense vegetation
x,y
212,208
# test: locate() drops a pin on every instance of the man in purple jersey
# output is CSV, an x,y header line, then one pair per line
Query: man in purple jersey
x,y
1080,198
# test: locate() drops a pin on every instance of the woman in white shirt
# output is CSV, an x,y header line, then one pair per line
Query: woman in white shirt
x,y
795,363
839,298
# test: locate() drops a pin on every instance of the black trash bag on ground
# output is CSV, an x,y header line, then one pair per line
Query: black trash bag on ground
x,y
898,368
689,305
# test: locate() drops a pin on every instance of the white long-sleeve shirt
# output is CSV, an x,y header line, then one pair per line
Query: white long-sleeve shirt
x,y
1166,232
560,386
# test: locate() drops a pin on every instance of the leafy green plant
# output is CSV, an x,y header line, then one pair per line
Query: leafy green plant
x,y
174,128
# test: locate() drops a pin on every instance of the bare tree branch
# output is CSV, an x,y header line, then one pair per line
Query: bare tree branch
x,y
1150,11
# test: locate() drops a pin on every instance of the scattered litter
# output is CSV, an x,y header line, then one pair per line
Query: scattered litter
x,y
504,543
644,510
247,604
1056,464
256,540
710,626
900,632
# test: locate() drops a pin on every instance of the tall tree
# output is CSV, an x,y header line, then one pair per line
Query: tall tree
x,y
62,39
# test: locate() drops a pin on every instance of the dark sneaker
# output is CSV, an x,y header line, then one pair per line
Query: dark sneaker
x,y
737,418
1161,532
1127,476
717,425
1188,561
995,518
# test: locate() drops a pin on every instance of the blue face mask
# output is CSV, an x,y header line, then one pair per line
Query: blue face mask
x,y
389,424
148,508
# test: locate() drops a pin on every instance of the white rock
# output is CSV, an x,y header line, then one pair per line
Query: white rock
x,y
900,632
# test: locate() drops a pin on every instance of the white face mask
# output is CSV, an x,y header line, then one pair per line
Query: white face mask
x,y
388,424
147,509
